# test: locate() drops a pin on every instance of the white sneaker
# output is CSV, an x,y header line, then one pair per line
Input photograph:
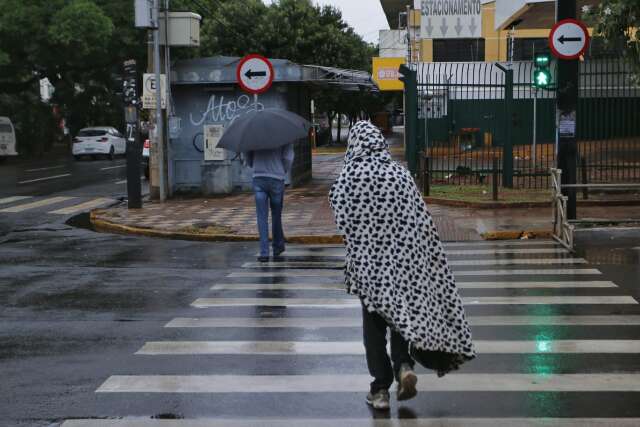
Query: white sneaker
x,y
407,382
379,400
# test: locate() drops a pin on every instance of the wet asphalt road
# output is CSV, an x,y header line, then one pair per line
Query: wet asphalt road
x,y
76,307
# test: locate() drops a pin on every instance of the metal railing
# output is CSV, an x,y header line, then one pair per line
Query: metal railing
x,y
562,229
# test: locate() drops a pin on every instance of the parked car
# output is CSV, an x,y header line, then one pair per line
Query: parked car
x,y
94,141
7,138
145,158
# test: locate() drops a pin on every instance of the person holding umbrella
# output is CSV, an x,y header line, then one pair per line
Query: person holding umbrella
x,y
395,263
265,138
270,169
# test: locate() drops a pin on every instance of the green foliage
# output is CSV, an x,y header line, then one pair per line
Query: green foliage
x,y
296,30
617,21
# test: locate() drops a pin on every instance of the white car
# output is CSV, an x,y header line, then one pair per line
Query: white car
x,y
99,141
7,138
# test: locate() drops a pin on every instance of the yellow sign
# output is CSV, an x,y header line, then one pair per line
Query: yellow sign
x,y
386,74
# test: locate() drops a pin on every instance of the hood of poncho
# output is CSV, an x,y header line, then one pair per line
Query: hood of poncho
x,y
395,262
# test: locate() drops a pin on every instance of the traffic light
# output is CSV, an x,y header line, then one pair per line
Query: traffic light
x,y
541,73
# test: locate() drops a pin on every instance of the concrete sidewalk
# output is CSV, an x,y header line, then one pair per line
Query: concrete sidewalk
x,y
307,216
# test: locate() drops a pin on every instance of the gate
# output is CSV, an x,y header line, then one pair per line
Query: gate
x,y
468,114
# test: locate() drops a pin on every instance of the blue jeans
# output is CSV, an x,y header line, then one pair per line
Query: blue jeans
x,y
269,192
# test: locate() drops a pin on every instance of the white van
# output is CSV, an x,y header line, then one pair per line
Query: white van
x,y
7,138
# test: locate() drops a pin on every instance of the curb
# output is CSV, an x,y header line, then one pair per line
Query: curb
x,y
523,205
485,205
102,225
517,235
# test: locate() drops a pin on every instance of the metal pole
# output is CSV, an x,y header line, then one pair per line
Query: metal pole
x,y
535,129
159,118
167,68
567,101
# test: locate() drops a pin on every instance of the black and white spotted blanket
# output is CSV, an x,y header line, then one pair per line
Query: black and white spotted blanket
x,y
395,260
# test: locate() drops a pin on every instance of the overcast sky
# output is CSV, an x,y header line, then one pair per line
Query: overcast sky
x,y
365,16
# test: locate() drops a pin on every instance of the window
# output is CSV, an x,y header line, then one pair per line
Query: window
x,y
92,132
458,50
525,49
5,128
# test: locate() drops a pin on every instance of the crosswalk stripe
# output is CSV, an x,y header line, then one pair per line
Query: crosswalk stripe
x,y
356,383
82,206
461,285
354,322
38,204
358,422
354,302
64,175
472,243
459,273
337,252
7,200
319,348
483,262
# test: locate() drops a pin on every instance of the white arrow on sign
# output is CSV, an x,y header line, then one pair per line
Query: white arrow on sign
x,y
255,74
569,39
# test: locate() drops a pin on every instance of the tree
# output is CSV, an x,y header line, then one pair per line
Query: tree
x,y
617,21
73,43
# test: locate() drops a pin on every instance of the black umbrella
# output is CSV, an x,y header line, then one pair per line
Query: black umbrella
x,y
263,130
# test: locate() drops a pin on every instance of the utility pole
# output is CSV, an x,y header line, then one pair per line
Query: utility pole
x,y
567,101
159,115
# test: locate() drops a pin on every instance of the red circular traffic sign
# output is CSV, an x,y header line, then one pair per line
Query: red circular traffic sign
x,y
569,39
255,74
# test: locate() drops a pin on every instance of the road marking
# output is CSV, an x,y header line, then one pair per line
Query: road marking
x,y
44,179
154,348
45,169
82,206
524,242
358,422
355,322
460,285
516,251
279,302
38,204
124,181
356,383
12,199
113,167
339,273
355,302
459,263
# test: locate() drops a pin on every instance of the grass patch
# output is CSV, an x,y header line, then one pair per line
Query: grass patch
x,y
482,193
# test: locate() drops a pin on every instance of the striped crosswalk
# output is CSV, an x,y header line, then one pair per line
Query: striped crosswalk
x,y
279,344
56,205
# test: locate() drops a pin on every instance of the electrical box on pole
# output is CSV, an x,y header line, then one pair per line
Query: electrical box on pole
x,y
144,14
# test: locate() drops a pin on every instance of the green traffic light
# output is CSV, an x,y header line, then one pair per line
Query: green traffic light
x,y
542,59
541,78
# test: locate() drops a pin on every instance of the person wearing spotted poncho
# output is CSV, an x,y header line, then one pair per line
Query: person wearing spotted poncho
x,y
395,263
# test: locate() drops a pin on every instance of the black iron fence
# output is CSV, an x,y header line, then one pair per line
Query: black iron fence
x,y
470,113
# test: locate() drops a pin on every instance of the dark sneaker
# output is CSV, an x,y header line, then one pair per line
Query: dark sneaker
x,y
407,380
263,259
277,252
379,400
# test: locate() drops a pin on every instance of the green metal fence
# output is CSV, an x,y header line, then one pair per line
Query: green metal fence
x,y
470,113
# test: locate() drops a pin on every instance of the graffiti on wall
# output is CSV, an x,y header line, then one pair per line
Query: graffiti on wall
x,y
219,111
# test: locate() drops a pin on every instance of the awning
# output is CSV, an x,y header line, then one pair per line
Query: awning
x,y
539,15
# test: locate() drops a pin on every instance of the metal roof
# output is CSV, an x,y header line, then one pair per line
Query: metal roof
x,y
222,70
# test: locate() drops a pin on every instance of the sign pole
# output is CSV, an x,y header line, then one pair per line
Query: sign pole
x,y
567,101
159,116
132,137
